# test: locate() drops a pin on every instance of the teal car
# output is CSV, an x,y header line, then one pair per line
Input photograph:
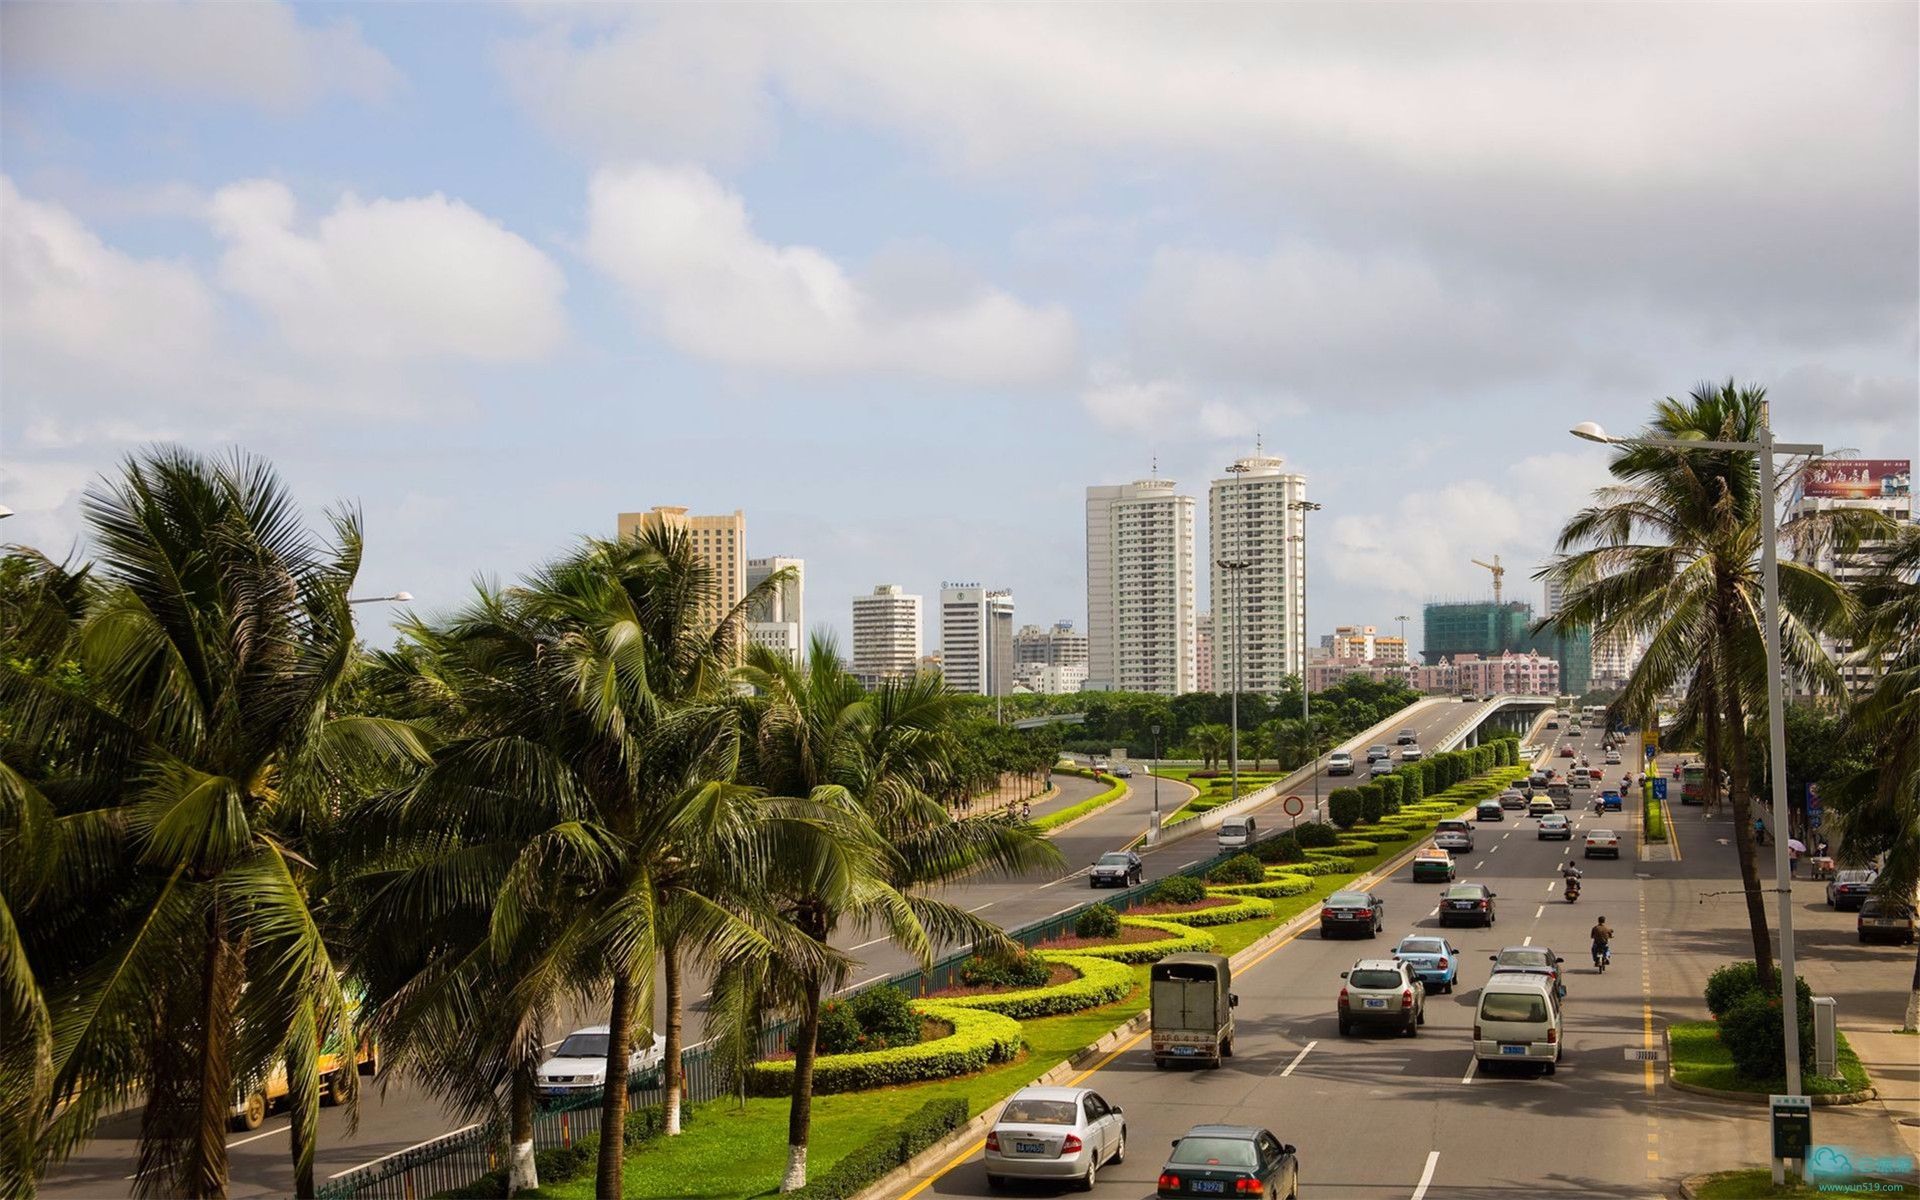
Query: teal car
x,y
1433,959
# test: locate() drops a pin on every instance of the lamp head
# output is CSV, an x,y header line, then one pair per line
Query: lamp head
x,y
1591,431
404,597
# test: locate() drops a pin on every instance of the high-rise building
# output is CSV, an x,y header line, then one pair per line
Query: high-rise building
x,y
1614,658
1045,680
976,639
1363,643
777,620
1259,609
886,635
1883,485
1058,646
1140,587
1484,628
718,541
1203,653
1554,597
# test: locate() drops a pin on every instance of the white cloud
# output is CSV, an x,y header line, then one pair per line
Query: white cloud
x,y
388,279
1175,410
256,52
684,249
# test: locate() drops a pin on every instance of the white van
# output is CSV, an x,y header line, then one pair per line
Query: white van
x,y
1236,832
1518,1020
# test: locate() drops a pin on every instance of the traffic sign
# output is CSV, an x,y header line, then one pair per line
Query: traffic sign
x,y
1659,788
1293,806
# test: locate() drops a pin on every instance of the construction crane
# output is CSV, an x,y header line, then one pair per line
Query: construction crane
x,y
1498,571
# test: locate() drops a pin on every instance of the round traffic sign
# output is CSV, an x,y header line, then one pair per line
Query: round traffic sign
x,y
1294,806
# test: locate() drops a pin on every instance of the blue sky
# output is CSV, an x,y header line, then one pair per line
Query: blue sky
x,y
901,282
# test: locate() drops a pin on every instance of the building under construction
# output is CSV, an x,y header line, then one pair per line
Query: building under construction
x,y
1490,629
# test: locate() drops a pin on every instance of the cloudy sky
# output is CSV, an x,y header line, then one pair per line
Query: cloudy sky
x,y
901,282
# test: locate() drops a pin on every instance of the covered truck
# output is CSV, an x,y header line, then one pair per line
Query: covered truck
x,y
1192,1013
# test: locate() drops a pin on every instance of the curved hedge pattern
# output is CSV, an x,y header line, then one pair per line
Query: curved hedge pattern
x,y
1274,887
979,1038
1101,981
1179,938
1247,909
1116,789
1326,862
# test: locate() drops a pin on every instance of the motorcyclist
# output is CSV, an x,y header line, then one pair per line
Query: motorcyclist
x,y
1602,934
1568,871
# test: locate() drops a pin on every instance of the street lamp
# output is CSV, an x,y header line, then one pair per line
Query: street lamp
x,y
1153,830
5,512
398,597
1303,507
1766,448
1233,567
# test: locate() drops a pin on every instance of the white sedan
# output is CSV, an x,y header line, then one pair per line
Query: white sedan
x,y
1603,841
579,1064
1055,1133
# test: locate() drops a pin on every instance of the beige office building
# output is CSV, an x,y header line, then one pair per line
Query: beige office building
x,y
719,541
886,635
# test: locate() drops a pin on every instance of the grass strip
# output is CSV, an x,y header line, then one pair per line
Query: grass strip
x,y
1701,1061
1754,1182
1054,820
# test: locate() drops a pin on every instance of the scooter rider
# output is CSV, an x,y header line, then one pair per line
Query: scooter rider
x,y
1602,934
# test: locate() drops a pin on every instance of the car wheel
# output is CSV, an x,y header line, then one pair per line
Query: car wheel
x,y
1548,1070
253,1114
1091,1178
1120,1147
1346,1030
1226,1048
1413,1027
1421,1016
996,1182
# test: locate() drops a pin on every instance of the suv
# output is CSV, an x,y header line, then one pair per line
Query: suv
x,y
1382,991
1529,960
1408,737
1411,752
1453,835
1340,762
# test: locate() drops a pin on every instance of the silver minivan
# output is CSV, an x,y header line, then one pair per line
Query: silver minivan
x,y
1236,832
1518,1020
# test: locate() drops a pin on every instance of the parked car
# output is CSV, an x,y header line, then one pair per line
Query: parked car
x,y
1382,991
1489,810
1055,1133
1408,737
579,1064
1230,1160
1603,841
1848,889
1453,835
1431,865
1340,762
1518,1020
1116,868
1882,919
1467,904
1435,960
1554,825
1352,911
1411,754
1530,960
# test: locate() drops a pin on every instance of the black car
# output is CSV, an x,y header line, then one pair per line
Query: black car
x,y
1230,1160
1121,868
1357,912
1489,810
1409,737
1881,918
1467,904
1848,889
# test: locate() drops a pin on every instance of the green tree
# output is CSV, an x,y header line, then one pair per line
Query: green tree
x,y
1212,741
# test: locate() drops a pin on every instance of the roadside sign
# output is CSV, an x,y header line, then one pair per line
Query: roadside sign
x,y
1659,788
1651,751
1813,806
1293,806
1792,1125
1635,1054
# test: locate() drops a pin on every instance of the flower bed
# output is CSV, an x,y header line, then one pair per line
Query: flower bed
x,y
1095,981
1133,948
1236,908
979,1038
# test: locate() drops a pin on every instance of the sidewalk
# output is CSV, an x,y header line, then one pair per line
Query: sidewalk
x,y
1893,1060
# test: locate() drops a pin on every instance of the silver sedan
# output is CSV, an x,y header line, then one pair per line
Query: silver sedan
x,y
1056,1133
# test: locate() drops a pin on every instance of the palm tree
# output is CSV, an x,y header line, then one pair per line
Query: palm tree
x,y
1211,741
876,762
161,807
1671,553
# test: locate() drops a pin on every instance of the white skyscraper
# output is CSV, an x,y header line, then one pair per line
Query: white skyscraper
x,y
1882,485
886,635
1555,598
976,639
778,621
1251,520
1140,588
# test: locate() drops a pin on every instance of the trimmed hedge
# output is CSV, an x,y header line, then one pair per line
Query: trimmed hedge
x,y
1116,788
1101,981
1097,922
1315,833
1241,868
1328,863
1248,909
1343,805
979,1038
1385,835
1282,849
866,1163
1273,888
1412,785
1373,803
1179,938
1391,787
1178,889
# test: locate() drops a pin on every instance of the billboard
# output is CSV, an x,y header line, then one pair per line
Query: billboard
x,y
1858,478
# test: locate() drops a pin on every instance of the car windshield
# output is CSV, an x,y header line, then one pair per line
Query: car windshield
x,y
1466,891
1452,827
1115,860
1854,877
583,1045
1522,958
1374,979
1512,1006
1423,946
1487,804
1030,1110
1213,1152
1600,833
1349,900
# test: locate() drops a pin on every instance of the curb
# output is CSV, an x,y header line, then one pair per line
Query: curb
x,y
1834,1100
1691,1185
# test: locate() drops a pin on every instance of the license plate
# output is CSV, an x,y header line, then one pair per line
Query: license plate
x,y
1210,1186
1186,1050
1029,1148
1513,1049
1886,922
1376,1004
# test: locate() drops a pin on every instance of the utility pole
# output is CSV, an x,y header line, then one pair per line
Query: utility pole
x,y
1304,508
1153,830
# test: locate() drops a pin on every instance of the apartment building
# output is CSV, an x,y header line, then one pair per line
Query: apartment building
x,y
886,635
1140,587
976,639
718,541
778,620
1259,602
1883,485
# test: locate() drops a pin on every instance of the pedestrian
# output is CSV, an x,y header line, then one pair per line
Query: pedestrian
x,y
1793,860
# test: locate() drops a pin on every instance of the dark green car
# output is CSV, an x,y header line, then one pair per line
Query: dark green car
x,y
1230,1160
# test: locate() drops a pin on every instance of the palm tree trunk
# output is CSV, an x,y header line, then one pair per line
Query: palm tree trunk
x,y
303,1115
1912,1022
1736,730
670,1067
204,1173
613,1096
523,1174
800,1113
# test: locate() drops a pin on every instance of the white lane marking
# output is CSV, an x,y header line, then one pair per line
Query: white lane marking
x,y
1539,912
1183,866
1527,941
878,940
436,1137
1436,912
1297,1058
1473,1065
1069,908
1426,1176
977,908
1481,863
1551,886
1495,850
256,1137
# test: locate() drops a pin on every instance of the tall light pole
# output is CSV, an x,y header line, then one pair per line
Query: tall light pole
x,y
1766,448
1153,830
1304,507
397,597
1233,567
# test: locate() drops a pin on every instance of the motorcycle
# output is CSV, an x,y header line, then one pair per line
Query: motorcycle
x,y
1573,890
1601,956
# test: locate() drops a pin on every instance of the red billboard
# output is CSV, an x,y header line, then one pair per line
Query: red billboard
x,y
1858,478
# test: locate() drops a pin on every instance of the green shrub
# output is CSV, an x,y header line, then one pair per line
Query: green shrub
x,y
840,1031
1100,981
1177,889
1372,803
1273,887
1100,921
1726,987
1282,849
1344,807
1382,836
1752,1032
1017,969
1329,863
1180,938
1429,777
1390,789
1241,868
1412,785
1315,833
866,1163
979,1038
1245,908
886,1013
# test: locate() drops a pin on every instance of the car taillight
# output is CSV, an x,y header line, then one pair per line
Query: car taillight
x,y
1169,1182
1553,1035
993,1141
1325,913
1443,964
1070,1144
1249,1187
1482,903
1476,1031
1366,912
1406,997
1343,997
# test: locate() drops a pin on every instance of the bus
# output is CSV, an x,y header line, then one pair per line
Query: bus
x,y
1693,783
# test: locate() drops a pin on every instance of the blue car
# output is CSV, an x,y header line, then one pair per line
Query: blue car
x,y
1435,961
1611,801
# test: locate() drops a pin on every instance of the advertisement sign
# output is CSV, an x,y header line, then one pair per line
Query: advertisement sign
x,y
1792,1126
1813,806
1858,478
